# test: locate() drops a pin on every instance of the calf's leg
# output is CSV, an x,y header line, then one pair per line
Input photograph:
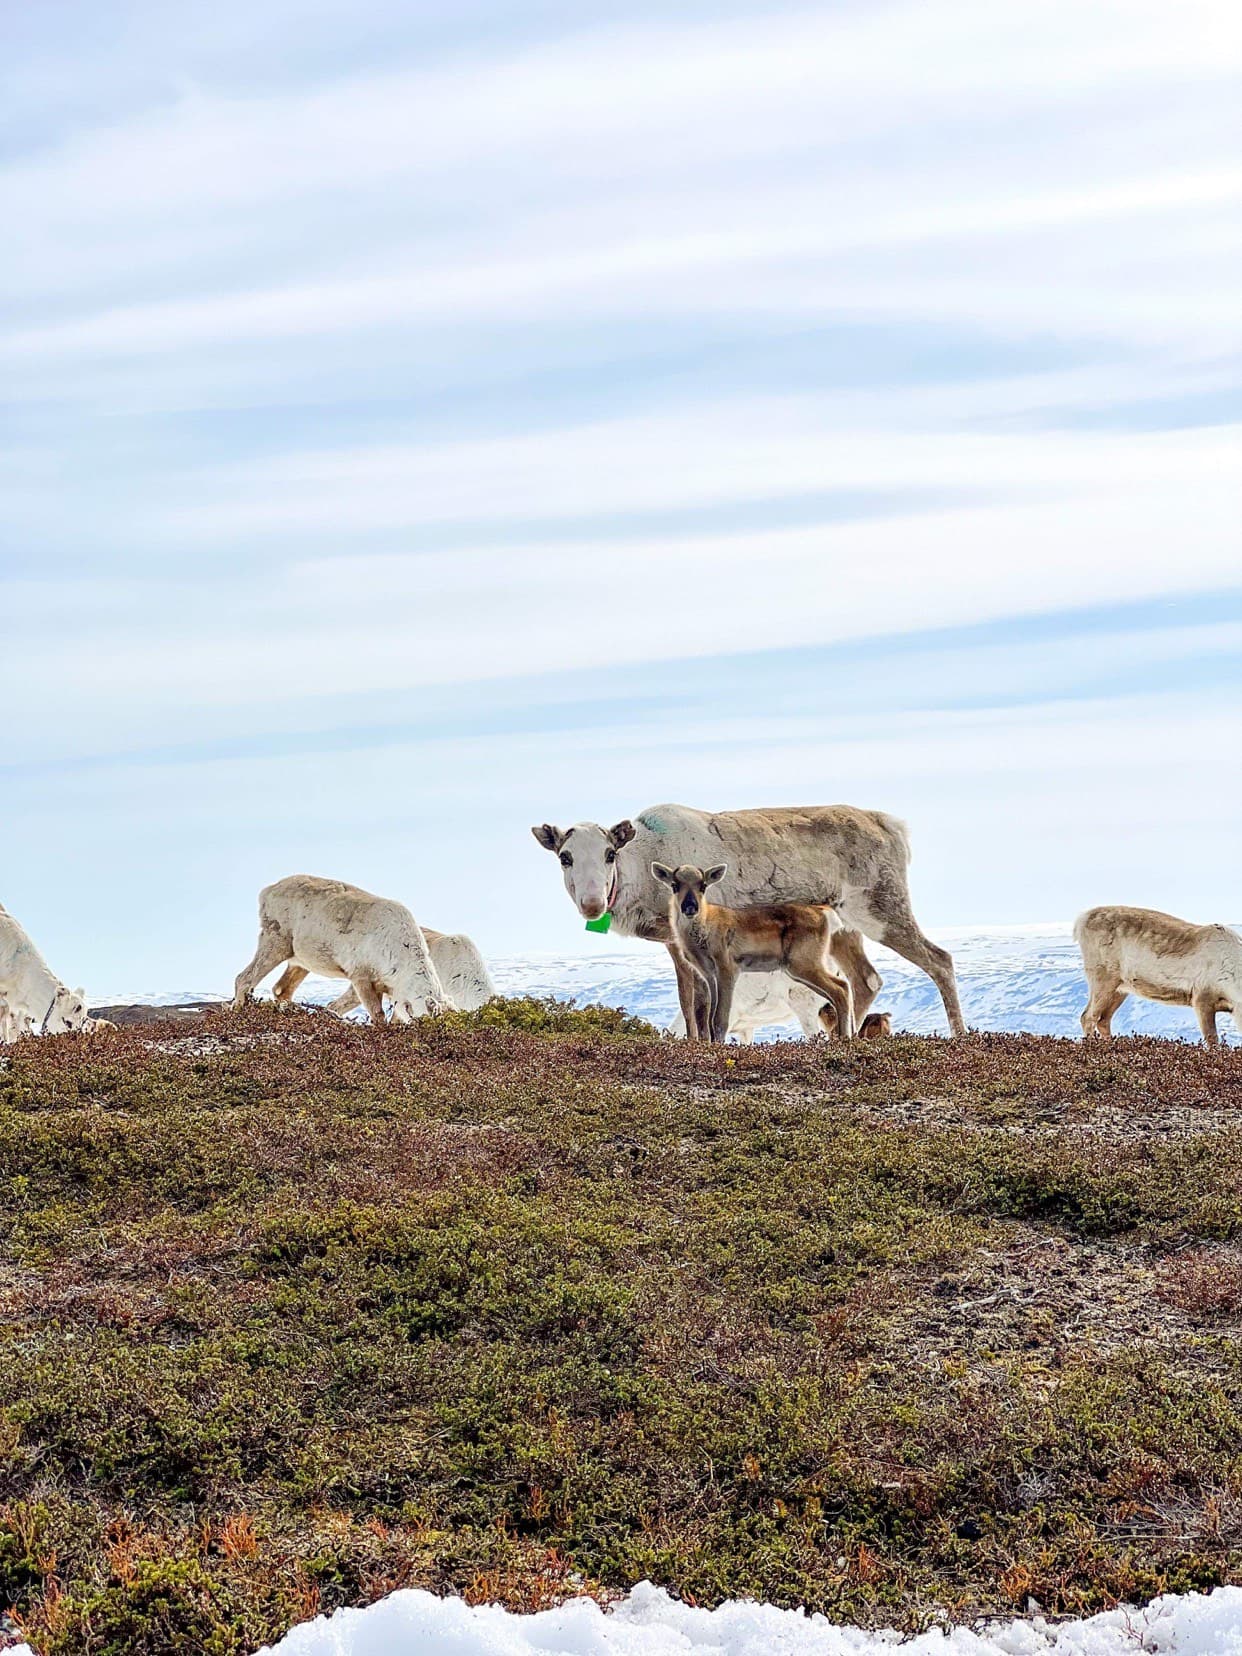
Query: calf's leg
x,y
690,988
808,963
850,959
725,980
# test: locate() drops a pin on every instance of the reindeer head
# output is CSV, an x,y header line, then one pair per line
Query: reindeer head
x,y
67,1011
588,858
688,884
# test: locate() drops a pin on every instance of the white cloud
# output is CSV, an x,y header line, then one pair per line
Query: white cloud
x,y
753,449
285,358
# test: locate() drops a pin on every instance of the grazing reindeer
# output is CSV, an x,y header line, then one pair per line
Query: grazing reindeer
x,y
1136,951
341,931
33,997
716,943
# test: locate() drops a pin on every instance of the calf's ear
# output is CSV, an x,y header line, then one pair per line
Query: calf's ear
x,y
549,837
621,833
712,875
662,873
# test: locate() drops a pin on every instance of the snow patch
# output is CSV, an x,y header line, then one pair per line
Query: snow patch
x,y
1011,978
650,1623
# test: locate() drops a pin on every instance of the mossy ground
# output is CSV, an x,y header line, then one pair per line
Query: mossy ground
x,y
529,1302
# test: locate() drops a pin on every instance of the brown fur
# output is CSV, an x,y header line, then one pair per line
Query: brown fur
x,y
852,860
876,1026
715,943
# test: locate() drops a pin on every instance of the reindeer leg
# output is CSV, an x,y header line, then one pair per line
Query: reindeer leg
x,y
725,980
288,983
808,963
272,950
1204,1004
850,958
372,998
687,990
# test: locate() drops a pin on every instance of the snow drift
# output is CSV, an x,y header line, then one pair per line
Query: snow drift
x,y
650,1623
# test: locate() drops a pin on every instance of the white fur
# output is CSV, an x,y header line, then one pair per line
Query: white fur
x,y
13,1024
339,930
851,860
463,971
765,999
464,976
33,996
1134,951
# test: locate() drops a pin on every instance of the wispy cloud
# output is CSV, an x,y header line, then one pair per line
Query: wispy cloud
x,y
417,413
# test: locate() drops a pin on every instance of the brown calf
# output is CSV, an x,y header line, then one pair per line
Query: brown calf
x,y
713,944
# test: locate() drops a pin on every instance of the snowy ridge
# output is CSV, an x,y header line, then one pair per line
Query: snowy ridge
x,y
650,1623
1015,978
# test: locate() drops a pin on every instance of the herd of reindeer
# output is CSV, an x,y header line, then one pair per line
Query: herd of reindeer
x,y
794,892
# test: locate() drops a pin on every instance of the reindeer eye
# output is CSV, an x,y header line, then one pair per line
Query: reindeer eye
x,y
610,856
567,860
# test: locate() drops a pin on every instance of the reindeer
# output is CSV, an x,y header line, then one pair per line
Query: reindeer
x,y
716,943
1136,951
852,860
34,999
341,931
462,971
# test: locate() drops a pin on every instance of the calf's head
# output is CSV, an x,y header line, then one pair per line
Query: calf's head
x,y
687,885
588,858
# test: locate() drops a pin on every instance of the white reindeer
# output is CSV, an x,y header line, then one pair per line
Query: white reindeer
x,y
1136,951
341,931
463,974
764,999
851,860
34,996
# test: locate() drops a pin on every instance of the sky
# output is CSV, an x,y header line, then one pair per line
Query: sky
x,y
421,421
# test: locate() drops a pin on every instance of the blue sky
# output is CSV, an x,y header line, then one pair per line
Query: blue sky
x,y
420,421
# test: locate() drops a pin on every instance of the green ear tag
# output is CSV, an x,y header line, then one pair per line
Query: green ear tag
x,y
603,924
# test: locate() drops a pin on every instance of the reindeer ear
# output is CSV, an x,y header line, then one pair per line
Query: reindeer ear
x,y
621,833
662,873
712,875
549,837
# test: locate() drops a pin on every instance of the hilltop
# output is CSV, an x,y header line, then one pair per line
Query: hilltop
x,y
530,1303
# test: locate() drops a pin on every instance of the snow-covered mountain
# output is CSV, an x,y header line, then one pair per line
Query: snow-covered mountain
x,y
1010,977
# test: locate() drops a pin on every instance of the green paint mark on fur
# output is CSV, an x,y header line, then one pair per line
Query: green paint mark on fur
x,y
603,924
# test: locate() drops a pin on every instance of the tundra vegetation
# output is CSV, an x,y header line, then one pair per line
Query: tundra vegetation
x,y
525,1302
